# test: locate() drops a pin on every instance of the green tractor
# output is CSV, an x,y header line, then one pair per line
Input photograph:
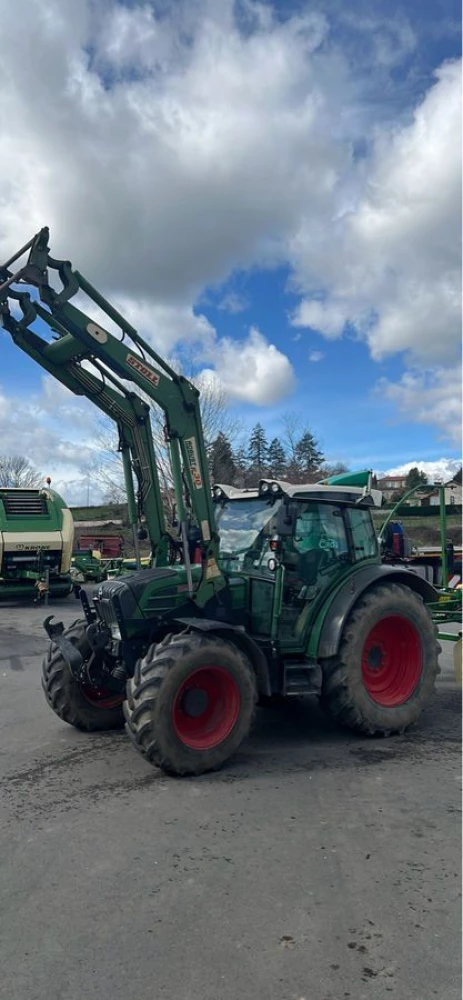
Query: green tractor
x,y
278,590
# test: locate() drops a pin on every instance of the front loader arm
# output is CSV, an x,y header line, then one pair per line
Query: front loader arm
x,y
131,416
80,338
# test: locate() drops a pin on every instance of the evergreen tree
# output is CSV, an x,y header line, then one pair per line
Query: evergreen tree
x,y
415,478
458,476
276,459
221,460
240,460
308,455
258,451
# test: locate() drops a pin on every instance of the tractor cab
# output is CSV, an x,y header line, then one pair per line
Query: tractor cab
x,y
292,545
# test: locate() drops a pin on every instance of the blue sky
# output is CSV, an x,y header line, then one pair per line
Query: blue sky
x,y
274,188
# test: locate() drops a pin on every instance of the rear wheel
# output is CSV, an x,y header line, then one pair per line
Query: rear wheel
x,y
190,703
80,705
386,667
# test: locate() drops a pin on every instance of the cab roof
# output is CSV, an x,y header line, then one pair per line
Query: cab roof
x,y
353,495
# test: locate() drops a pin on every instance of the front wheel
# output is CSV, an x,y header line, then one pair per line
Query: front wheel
x,y
190,703
387,664
80,705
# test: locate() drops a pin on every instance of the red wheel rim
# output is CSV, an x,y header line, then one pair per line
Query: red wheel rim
x,y
206,707
100,697
392,661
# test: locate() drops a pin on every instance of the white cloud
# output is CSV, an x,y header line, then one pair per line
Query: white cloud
x,y
53,428
389,265
182,146
443,469
251,371
189,143
328,317
164,325
234,303
429,397
389,261
316,356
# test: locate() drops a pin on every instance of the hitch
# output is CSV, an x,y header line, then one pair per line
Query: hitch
x,y
70,653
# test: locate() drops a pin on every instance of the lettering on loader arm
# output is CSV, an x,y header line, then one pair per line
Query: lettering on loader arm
x,y
193,461
143,369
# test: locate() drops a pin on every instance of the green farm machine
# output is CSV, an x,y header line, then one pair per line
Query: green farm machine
x,y
36,537
277,590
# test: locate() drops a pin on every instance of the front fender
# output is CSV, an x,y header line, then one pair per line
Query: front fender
x,y
237,635
328,628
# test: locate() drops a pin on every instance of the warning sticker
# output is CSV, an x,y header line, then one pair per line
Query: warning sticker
x,y
143,369
212,570
193,461
205,532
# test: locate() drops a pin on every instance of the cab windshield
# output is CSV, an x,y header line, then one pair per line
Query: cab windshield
x,y
245,527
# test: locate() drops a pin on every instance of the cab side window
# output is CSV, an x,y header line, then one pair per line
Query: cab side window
x,y
363,534
321,527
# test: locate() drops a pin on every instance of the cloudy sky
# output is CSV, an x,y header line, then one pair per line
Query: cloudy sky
x,y
273,187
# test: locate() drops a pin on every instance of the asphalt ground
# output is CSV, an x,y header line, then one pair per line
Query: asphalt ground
x,y
316,866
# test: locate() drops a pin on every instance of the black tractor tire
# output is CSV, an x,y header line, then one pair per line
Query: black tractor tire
x,y
82,707
220,708
384,673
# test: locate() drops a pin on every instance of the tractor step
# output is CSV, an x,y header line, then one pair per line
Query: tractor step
x,y
301,677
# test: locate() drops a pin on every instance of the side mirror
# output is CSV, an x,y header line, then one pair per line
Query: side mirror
x,y
285,521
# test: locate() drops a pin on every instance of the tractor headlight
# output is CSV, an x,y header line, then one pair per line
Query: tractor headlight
x,y
218,493
264,487
275,488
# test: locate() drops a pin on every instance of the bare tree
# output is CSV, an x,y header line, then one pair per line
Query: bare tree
x,y
18,471
293,428
336,469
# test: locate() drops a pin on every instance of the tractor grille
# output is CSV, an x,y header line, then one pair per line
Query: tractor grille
x,y
25,505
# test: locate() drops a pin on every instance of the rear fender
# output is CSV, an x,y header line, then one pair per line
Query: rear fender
x,y
240,638
331,621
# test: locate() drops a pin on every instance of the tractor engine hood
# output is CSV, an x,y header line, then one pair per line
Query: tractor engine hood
x,y
146,593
